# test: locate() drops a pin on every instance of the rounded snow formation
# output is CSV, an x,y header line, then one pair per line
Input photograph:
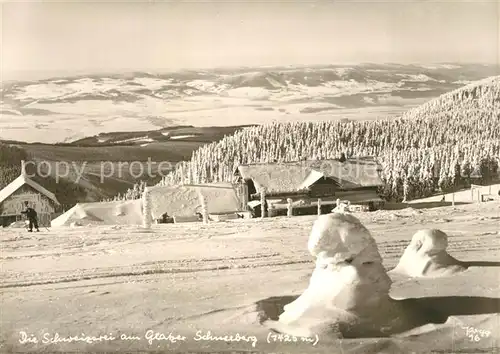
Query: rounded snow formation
x,y
341,236
426,256
348,293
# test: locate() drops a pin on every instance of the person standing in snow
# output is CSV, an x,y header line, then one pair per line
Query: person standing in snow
x,y
32,217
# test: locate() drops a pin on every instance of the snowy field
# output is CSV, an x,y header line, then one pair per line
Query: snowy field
x,y
70,108
50,129
144,288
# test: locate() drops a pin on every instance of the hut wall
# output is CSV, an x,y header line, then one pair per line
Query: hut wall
x,y
10,209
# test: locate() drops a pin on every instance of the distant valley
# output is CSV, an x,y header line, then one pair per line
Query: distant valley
x,y
83,109
114,120
120,155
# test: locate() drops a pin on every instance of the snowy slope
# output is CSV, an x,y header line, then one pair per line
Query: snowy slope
x,y
185,278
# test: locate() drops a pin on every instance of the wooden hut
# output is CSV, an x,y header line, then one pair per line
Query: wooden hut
x,y
306,182
24,189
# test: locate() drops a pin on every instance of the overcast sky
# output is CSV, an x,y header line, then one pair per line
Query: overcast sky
x,y
69,37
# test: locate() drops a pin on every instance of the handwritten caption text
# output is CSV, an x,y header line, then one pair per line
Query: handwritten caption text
x,y
152,337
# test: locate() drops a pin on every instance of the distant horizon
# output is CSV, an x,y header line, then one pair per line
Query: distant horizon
x,y
37,75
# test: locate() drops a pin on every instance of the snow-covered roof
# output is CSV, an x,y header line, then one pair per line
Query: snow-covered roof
x,y
20,181
298,176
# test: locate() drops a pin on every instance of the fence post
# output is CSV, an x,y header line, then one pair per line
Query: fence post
x,y
146,208
262,202
319,206
453,199
289,207
479,196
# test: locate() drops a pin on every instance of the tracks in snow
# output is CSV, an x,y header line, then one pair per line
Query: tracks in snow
x,y
13,280
259,250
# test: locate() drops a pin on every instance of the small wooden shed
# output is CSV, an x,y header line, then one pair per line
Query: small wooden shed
x,y
24,189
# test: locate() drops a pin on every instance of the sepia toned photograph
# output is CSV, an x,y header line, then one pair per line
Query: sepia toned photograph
x,y
250,176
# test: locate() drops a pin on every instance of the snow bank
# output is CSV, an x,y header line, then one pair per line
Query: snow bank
x,y
426,256
102,213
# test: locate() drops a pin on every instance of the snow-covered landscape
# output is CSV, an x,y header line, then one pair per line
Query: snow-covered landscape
x,y
250,177
70,108
179,279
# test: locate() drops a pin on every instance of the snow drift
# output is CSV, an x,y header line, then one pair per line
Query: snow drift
x,y
426,256
102,213
348,292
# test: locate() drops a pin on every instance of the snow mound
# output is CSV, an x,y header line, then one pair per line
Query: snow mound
x,y
341,236
101,213
426,256
348,292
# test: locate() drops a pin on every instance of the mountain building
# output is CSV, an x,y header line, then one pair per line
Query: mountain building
x,y
24,189
306,182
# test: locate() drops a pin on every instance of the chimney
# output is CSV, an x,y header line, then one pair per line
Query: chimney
x,y
23,168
